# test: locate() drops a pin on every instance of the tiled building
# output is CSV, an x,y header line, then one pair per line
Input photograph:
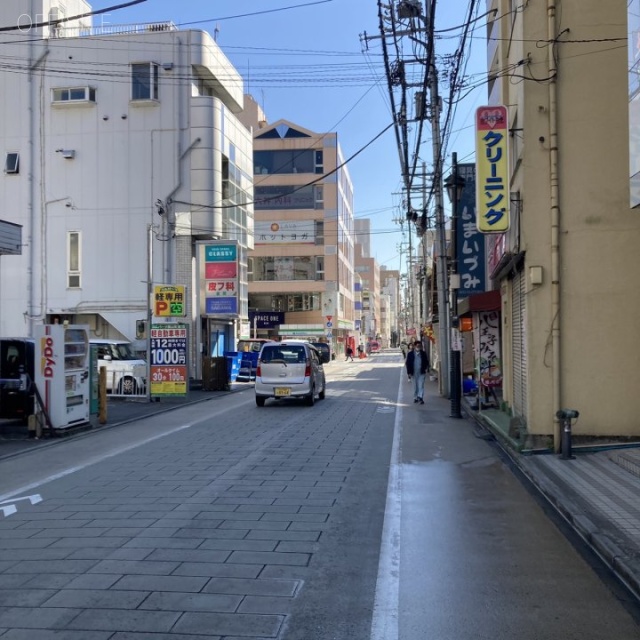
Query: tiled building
x,y
301,269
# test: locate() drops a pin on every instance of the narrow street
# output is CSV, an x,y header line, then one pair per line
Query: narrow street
x,y
365,517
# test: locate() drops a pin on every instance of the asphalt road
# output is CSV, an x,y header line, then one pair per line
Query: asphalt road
x,y
365,517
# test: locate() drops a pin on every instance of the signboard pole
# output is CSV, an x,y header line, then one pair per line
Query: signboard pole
x,y
149,310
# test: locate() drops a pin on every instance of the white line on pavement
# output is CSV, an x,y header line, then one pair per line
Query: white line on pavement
x,y
92,461
384,623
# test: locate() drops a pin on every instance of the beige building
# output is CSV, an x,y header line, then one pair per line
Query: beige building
x,y
369,271
390,288
565,268
301,269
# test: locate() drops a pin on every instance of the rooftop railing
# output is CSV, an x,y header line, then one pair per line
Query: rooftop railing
x,y
113,30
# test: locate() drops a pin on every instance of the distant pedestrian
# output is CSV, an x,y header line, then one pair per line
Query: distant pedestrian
x,y
417,365
349,354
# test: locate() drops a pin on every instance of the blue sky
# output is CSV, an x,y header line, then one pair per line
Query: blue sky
x,y
304,61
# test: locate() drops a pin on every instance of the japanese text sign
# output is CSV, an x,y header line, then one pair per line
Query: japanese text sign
x,y
168,301
284,232
492,168
219,277
169,359
470,243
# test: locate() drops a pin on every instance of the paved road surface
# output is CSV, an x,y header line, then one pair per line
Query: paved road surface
x,y
365,517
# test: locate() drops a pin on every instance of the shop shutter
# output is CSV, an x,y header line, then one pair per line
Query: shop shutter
x,y
519,347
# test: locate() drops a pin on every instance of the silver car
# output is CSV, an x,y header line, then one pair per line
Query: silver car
x,y
289,369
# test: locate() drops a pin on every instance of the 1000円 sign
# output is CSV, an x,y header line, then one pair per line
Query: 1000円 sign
x,y
168,364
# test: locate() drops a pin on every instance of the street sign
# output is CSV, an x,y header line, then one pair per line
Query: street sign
x,y
169,359
329,325
329,334
169,301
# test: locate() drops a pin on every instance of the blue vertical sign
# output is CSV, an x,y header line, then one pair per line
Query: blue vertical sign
x,y
470,243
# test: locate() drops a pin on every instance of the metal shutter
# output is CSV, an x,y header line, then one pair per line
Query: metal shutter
x,y
519,343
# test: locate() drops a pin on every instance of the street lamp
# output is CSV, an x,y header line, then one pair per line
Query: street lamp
x,y
454,184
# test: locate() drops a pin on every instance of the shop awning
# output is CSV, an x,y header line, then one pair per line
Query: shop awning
x,y
486,301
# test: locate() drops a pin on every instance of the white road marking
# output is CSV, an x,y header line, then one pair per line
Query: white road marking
x,y
91,461
384,623
10,509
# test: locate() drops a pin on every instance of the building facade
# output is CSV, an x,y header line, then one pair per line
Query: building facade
x,y
301,268
123,149
565,266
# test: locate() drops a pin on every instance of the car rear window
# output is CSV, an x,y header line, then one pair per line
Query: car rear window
x,y
283,353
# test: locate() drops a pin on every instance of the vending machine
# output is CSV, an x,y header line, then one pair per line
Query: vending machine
x,y
62,362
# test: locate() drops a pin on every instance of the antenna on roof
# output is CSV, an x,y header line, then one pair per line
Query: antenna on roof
x,y
216,31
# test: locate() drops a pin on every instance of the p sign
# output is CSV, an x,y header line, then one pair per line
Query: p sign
x,y
168,301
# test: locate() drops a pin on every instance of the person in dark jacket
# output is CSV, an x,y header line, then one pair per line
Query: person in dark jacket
x,y
417,364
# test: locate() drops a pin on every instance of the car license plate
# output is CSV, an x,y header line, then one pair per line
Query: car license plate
x,y
283,391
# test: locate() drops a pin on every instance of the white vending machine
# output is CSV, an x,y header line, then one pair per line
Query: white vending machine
x,y
61,373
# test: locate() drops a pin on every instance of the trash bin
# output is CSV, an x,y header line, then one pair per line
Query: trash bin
x,y
215,376
234,360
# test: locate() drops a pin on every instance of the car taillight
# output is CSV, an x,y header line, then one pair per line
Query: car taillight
x,y
307,369
258,374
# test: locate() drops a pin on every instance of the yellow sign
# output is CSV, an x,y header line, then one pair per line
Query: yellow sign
x,y
169,301
492,169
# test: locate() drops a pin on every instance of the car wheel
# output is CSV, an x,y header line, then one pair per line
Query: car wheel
x,y
127,386
260,401
311,398
322,393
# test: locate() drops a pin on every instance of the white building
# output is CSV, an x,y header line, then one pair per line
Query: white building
x,y
113,136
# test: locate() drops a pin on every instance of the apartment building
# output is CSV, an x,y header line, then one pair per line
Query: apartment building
x,y
369,271
123,151
390,310
301,268
565,267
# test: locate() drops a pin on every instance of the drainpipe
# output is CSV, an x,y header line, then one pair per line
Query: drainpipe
x,y
555,224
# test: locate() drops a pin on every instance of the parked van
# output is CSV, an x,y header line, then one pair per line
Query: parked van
x,y
16,376
126,372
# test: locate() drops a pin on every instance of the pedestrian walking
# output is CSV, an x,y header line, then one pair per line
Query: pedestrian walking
x,y
349,354
417,365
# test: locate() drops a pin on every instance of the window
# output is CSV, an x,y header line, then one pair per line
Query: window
x,y
249,269
73,259
319,231
284,197
319,267
318,196
285,269
73,94
303,302
144,81
319,168
12,163
284,161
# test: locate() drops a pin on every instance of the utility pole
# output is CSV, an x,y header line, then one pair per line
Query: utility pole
x,y
441,239
425,283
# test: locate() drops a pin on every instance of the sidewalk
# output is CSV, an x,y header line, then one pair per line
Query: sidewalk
x,y
597,492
